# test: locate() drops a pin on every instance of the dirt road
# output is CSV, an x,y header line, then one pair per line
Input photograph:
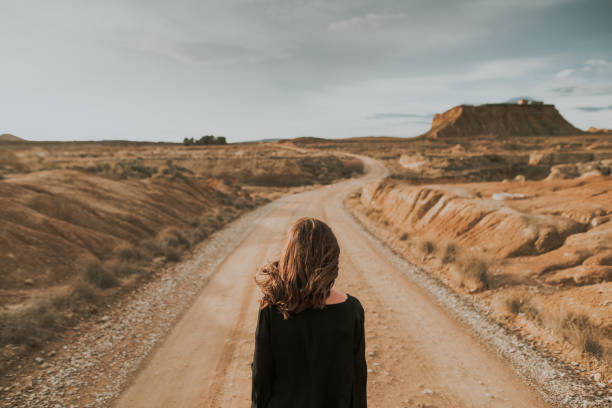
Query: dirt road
x,y
418,354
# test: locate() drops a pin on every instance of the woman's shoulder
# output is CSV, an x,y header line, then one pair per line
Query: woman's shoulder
x,y
355,302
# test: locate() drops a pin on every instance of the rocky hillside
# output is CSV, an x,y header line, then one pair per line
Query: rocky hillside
x,y
500,120
538,252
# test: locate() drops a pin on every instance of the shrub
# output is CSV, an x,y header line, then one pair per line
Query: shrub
x,y
128,253
172,237
427,247
579,330
172,255
126,269
449,252
31,326
99,277
205,140
518,304
404,236
474,272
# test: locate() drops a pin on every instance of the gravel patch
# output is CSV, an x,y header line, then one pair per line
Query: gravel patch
x,y
557,382
92,370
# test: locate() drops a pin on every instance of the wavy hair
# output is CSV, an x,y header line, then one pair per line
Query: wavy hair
x,y
303,276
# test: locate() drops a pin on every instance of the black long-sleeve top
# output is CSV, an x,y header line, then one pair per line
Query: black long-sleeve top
x,y
314,359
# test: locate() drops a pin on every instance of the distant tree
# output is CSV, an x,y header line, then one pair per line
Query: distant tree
x,y
206,140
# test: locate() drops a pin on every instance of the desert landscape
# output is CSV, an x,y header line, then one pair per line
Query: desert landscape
x,y
506,227
514,216
85,224
157,161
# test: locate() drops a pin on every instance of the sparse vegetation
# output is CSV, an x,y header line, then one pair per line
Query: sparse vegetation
x,y
427,246
449,252
205,141
578,329
100,277
471,271
517,304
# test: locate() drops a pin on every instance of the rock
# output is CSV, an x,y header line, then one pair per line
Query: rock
x,y
427,391
502,119
52,353
507,196
39,360
596,377
520,178
28,282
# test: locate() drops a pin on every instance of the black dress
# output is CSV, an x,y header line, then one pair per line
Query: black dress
x,y
314,359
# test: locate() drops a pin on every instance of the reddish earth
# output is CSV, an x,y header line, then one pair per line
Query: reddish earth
x,y
500,120
86,223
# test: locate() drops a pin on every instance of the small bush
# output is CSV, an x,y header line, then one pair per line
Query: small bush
x,y
99,277
474,272
518,304
514,305
404,236
172,255
127,253
449,252
579,330
195,222
31,326
126,269
172,237
427,247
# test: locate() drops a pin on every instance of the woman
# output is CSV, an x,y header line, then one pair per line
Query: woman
x,y
309,342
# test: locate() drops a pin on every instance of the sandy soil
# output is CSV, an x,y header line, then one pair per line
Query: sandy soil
x,y
419,355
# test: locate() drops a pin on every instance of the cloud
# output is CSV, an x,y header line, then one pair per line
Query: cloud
x,y
205,53
584,90
564,73
597,65
504,68
369,21
594,108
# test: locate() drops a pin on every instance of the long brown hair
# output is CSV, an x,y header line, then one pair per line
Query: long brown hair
x,y
303,277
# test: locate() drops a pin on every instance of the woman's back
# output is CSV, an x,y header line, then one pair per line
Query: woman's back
x,y
309,349
314,359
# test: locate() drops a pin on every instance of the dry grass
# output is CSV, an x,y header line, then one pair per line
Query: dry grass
x,y
99,276
517,304
448,252
128,253
578,329
473,272
427,247
9,162
31,325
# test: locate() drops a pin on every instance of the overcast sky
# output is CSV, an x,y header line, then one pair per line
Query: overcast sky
x,y
251,69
